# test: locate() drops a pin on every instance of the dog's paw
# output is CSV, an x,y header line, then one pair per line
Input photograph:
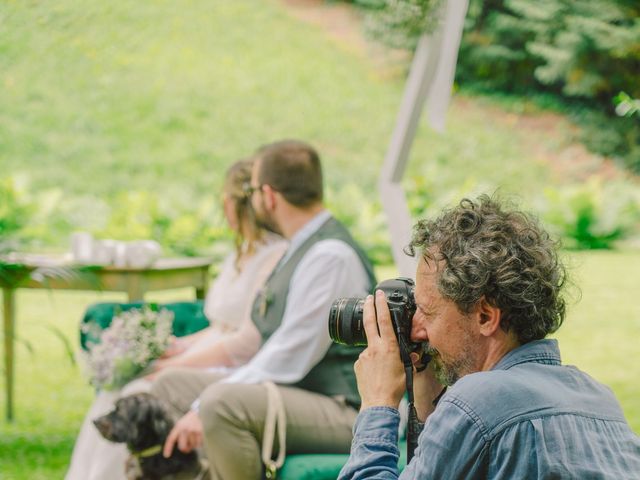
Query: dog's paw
x,y
132,469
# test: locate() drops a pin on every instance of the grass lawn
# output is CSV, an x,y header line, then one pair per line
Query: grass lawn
x,y
600,336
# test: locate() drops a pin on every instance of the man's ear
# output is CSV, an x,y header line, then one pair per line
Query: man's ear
x,y
488,318
269,196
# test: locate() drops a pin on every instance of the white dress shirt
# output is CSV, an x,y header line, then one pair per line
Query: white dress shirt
x,y
229,300
330,269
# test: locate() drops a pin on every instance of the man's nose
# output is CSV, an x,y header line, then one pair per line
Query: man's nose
x,y
418,332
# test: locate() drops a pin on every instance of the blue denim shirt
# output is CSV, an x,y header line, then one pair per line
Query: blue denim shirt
x,y
528,417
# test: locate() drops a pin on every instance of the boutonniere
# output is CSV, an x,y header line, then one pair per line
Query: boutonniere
x,y
266,299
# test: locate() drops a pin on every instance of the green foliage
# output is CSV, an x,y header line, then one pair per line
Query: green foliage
x,y
182,223
15,210
593,215
584,51
627,106
129,139
613,136
401,22
364,219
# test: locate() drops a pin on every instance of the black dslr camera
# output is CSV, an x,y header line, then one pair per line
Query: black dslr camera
x,y
346,315
346,326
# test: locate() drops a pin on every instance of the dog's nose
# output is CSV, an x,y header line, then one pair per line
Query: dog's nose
x,y
103,426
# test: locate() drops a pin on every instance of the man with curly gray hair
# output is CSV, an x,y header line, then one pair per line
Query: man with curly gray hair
x,y
488,292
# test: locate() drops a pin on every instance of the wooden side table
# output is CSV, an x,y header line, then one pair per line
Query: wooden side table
x,y
23,272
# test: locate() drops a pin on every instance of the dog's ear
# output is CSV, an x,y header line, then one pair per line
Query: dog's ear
x,y
160,418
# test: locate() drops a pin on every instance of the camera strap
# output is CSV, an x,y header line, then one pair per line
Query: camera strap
x,y
414,426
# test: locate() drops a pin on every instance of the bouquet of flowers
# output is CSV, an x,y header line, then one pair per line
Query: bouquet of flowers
x,y
134,339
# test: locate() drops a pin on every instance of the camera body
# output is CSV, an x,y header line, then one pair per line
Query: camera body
x,y
346,315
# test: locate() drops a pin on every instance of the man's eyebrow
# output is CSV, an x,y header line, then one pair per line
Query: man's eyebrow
x,y
424,308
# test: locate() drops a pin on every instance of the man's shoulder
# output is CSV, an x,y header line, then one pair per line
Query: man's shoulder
x,y
332,247
502,397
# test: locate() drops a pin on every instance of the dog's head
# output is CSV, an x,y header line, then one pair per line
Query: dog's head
x,y
139,420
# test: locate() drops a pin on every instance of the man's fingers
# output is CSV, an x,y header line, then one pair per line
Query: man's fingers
x,y
384,317
369,320
169,444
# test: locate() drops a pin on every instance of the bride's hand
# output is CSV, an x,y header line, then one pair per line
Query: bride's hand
x,y
156,367
176,347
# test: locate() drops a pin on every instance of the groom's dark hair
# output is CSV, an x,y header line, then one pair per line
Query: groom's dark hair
x,y
291,167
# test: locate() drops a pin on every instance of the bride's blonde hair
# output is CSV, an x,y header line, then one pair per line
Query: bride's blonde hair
x,y
248,233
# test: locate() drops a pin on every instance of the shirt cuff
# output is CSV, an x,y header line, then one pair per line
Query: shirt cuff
x,y
379,423
195,406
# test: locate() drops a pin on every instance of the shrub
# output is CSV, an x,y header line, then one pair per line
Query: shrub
x,y
585,52
16,209
593,215
180,222
365,220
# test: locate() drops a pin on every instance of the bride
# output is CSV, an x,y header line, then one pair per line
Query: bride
x,y
230,340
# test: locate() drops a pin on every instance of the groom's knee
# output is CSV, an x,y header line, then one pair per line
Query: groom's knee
x,y
226,405
164,383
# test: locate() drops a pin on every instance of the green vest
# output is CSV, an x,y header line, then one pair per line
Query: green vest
x,y
334,374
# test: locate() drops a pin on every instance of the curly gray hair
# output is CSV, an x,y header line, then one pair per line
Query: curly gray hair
x,y
505,256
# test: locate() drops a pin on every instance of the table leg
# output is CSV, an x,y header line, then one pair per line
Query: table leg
x,y
201,291
135,290
8,295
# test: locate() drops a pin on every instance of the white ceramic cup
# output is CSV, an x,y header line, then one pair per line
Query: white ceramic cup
x,y
142,253
82,247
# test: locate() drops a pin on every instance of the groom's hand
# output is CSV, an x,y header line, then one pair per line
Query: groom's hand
x,y
186,433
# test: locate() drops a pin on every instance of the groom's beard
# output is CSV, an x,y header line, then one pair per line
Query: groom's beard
x,y
266,221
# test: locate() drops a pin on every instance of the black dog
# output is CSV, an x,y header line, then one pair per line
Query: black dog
x,y
142,422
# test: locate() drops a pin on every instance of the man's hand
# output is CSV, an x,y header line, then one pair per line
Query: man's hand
x,y
425,389
379,370
187,433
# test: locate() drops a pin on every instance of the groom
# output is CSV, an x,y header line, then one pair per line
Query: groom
x,y
225,414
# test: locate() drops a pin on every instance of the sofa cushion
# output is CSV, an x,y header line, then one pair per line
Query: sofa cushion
x,y
323,466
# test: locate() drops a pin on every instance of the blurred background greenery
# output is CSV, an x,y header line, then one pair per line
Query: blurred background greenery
x,y
120,118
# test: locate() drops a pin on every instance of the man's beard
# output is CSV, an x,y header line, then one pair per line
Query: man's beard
x,y
448,373
266,221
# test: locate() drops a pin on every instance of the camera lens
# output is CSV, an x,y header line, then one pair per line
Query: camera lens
x,y
345,321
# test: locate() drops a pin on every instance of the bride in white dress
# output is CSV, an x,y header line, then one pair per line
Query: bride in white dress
x,y
230,340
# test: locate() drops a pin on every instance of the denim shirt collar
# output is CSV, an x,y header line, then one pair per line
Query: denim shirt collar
x,y
544,351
